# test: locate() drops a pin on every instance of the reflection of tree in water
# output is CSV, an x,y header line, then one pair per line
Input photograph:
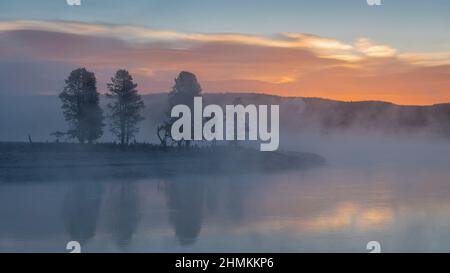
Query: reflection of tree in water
x,y
124,217
81,210
185,199
234,201
211,195
188,197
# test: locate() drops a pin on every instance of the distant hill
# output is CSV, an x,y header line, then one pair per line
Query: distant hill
x,y
41,115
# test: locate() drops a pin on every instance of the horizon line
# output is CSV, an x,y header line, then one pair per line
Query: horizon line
x,y
257,93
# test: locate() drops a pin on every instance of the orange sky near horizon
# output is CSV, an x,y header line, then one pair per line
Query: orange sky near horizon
x,y
287,64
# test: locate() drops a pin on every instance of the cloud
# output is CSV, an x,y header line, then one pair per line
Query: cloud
x,y
365,46
427,58
316,42
292,64
325,46
145,35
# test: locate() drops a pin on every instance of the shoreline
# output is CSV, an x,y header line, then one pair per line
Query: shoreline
x,y
42,161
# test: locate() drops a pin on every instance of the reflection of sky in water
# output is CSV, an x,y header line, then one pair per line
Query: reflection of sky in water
x,y
328,209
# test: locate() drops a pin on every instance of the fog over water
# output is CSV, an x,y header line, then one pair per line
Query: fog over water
x,y
391,188
334,208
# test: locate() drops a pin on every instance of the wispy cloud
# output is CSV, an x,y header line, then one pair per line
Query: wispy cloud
x,y
365,46
326,47
285,64
427,58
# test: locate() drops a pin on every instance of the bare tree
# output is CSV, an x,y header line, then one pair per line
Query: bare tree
x,y
183,92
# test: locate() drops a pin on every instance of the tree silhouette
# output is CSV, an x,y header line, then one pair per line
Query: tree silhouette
x,y
81,210
185,89
163,133
81,106
125,213
183,92
125,108
185,200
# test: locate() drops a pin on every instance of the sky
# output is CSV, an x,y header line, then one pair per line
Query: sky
x,y
337,49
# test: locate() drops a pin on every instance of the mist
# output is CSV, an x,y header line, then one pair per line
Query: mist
x,y
364,133
382,177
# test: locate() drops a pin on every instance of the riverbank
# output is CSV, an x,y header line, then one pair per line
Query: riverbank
x,y
44,161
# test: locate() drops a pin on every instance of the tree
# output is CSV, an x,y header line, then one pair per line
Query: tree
x,y
163,133
81,106
185,89
183,92
126,106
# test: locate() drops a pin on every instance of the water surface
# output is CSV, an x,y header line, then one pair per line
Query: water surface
x,y
337,208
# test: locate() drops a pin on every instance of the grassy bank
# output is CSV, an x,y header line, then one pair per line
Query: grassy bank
x,y
24,161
